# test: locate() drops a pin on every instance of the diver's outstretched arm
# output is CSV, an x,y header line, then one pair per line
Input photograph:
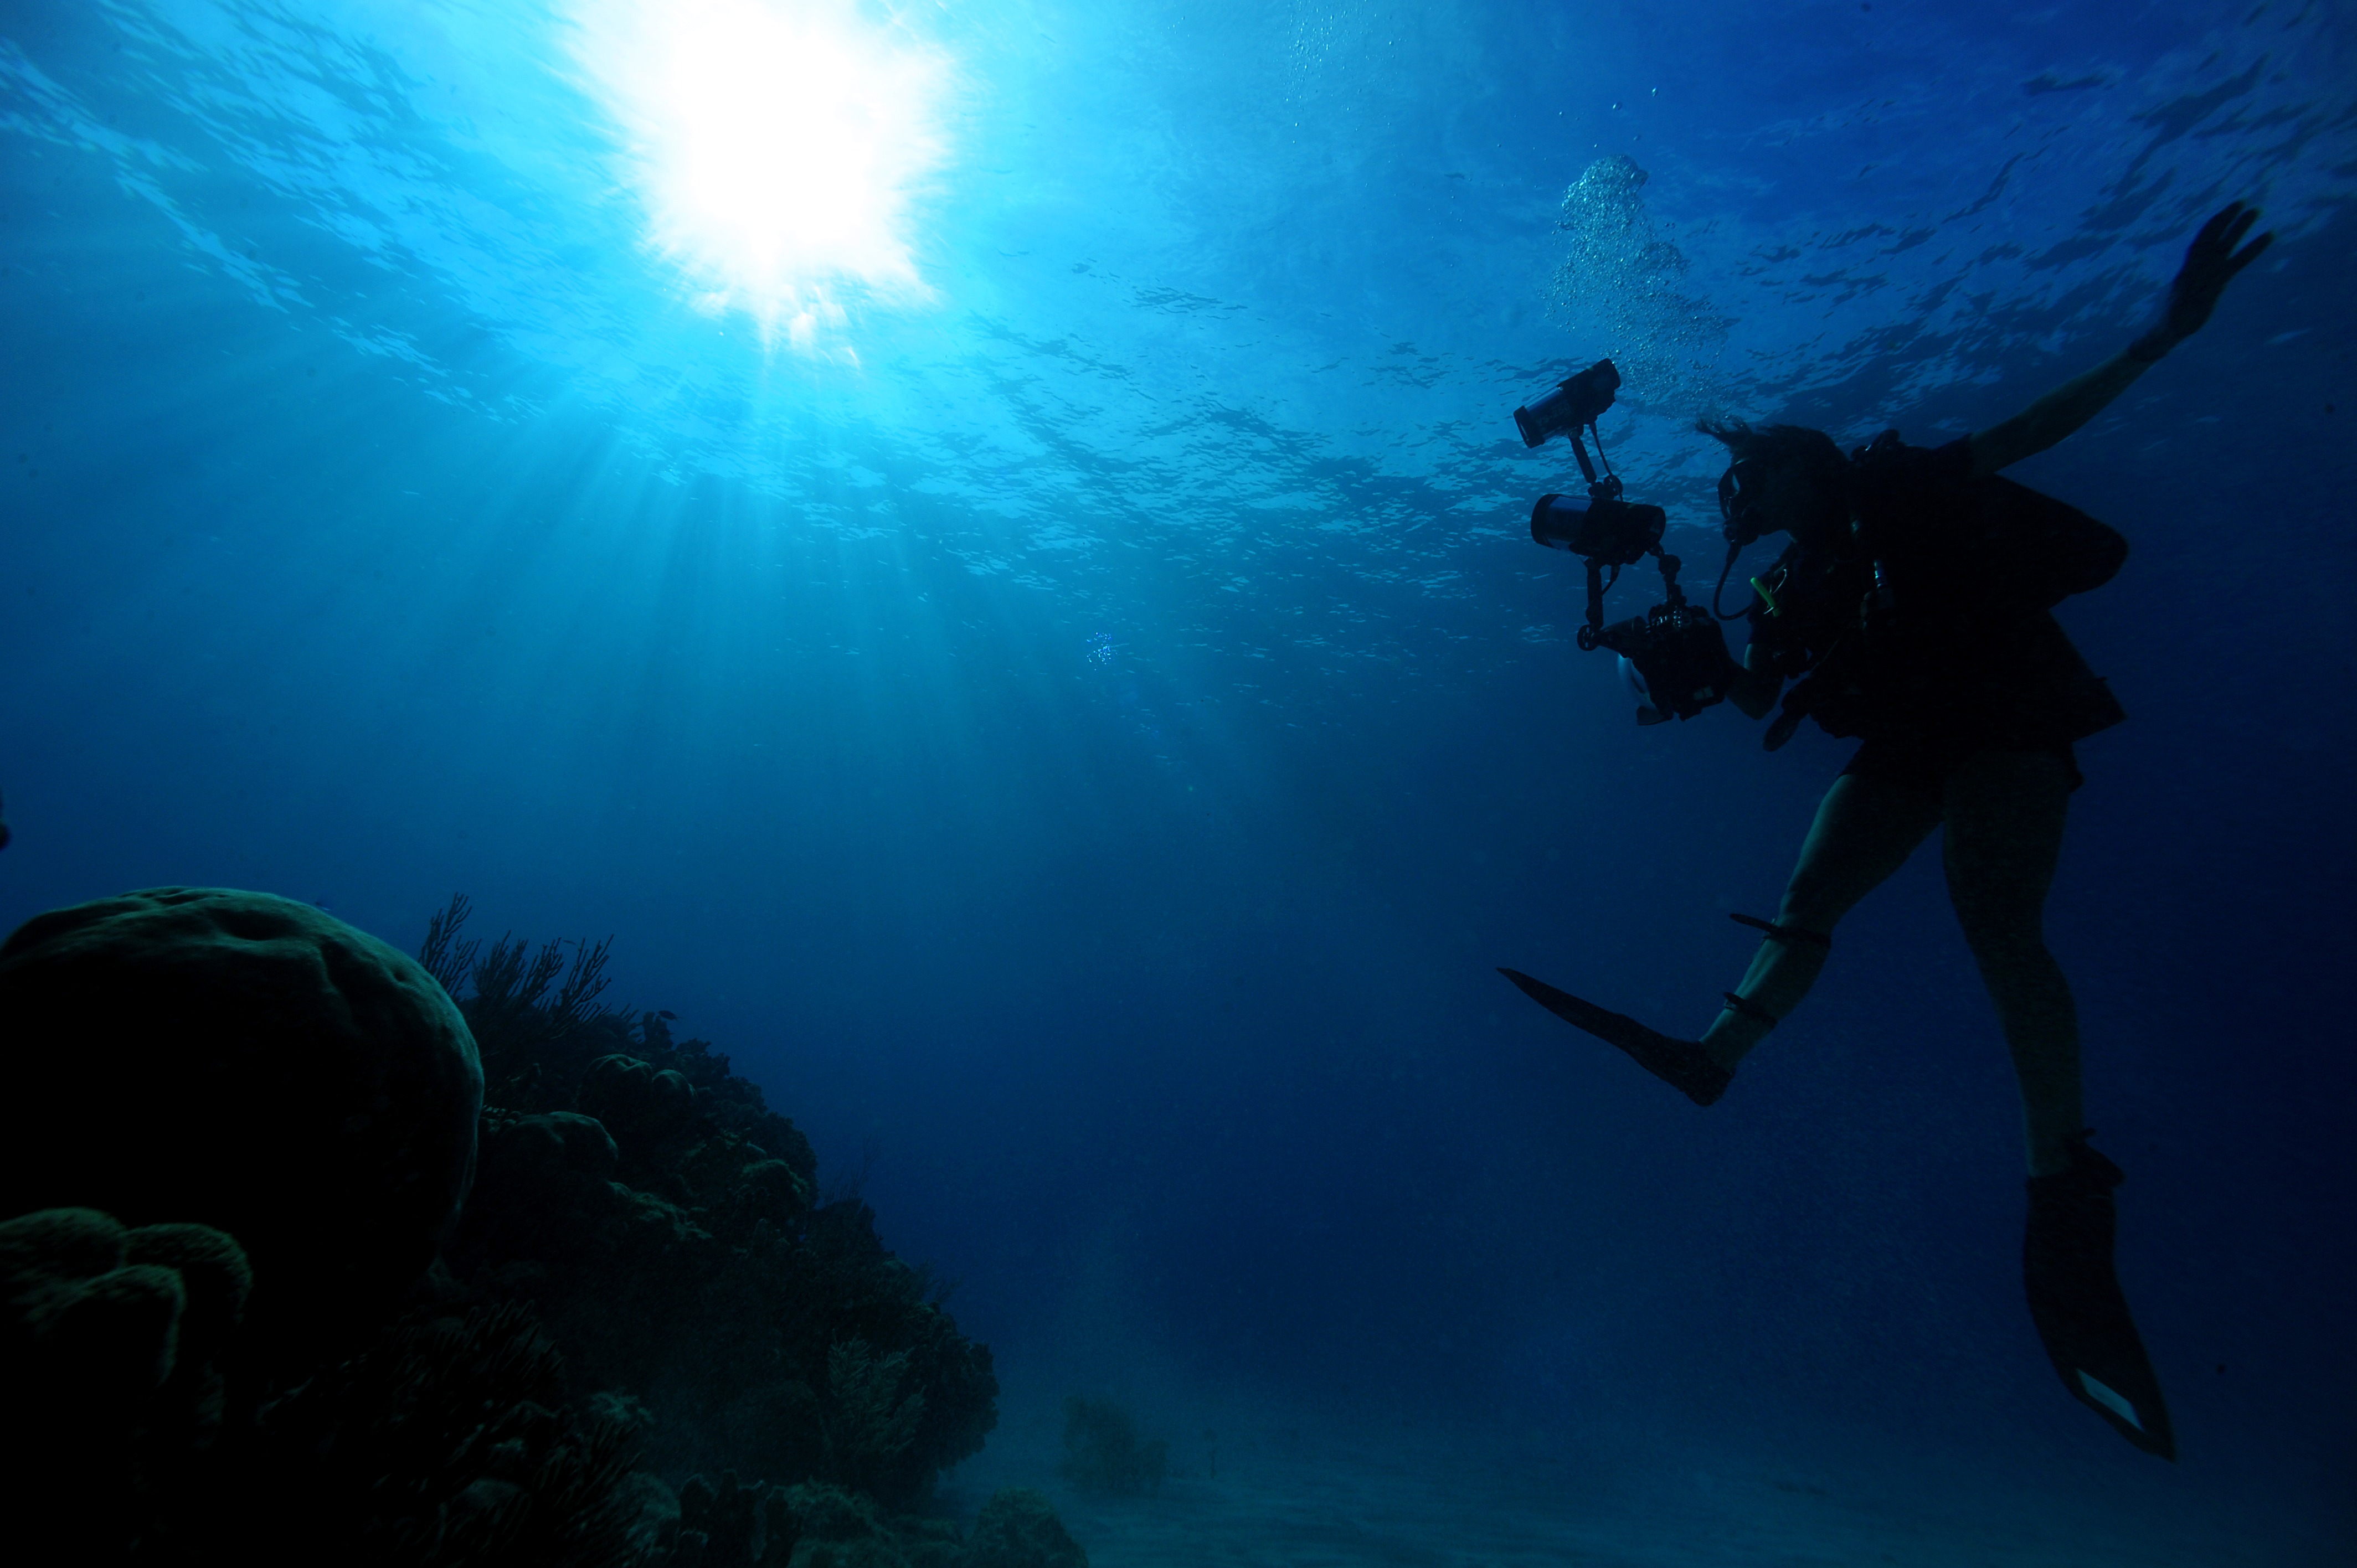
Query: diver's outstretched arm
x,y
2211,263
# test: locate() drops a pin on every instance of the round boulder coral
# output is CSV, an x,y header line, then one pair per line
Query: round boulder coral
x,y
108,1344
248,1063
646,1109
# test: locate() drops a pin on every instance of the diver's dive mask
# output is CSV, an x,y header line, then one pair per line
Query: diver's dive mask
x,y
1740,500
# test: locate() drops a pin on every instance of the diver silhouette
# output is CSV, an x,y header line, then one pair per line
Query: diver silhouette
x,y
1913,609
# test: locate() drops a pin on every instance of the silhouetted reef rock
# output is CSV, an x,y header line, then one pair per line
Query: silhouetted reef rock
x,y
448,1441
764,1331
246,1063
666,1225
246,1097
111,1341
651,1109
1018,1529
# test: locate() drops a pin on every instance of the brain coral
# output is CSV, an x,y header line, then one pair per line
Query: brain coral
x,y
246,1063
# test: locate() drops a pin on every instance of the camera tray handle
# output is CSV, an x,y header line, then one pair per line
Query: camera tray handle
x,y
1598,583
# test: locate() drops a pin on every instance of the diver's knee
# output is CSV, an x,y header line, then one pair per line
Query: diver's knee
x,y
1813,902
2013,943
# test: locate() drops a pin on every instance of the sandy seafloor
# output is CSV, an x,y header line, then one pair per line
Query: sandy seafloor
x,y
1296,1493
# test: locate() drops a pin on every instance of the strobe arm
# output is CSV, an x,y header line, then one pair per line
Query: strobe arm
x,y
1579,450
1586,638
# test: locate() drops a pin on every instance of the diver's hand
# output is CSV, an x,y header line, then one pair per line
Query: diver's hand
x,y
2211,263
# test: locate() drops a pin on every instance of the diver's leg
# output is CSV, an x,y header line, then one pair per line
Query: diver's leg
x,y
1864,831
2004,812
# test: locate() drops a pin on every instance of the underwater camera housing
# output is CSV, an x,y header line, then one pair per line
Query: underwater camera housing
x,y
1673,661
1673,658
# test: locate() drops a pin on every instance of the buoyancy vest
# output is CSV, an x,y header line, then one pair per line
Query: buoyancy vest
x,y
1931,619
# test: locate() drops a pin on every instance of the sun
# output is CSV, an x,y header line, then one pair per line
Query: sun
x,y
778,146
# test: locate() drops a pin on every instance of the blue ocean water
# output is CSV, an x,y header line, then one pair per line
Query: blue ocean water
x,y
1048,670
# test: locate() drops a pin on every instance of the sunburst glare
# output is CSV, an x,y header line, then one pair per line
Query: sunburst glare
x,y
778,146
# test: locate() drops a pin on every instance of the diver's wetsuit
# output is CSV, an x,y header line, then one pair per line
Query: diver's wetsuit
x,y
1925,629
1927,632
1916,618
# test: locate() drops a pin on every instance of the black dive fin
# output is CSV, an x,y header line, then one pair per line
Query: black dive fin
x,y
1681,1064
2076,1302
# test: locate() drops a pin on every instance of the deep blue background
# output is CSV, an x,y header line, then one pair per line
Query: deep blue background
x,y
1087,763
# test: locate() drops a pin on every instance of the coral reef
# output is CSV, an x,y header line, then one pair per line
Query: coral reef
x,y
111,1341
637,1181
644,1280
843,1529
1103,1452
720,1526
245,1062
448,1441
1018,1530
873,1412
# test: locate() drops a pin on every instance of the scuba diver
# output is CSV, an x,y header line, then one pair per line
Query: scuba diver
x,y
1912,611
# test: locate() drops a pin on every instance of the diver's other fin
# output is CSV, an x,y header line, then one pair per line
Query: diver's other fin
x,y
1681,1064
2076,1302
